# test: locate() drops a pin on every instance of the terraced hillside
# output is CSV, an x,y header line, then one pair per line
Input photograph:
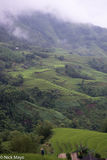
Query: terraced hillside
x,y
57,80
66,140
70,81
52,77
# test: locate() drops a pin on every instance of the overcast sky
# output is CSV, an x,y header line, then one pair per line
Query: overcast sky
x,y
86,11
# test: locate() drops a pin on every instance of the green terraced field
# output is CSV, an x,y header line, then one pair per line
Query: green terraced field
x,y
65,139
68,88
49,74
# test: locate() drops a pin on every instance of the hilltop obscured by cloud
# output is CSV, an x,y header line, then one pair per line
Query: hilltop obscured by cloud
x,y
85,11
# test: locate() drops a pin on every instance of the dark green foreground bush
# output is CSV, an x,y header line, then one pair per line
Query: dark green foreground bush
x,y
23,142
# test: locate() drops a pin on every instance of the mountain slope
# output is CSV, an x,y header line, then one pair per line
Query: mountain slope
x,y
52,91
57,84
47,31
66,140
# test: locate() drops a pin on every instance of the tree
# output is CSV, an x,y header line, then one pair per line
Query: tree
x,y
17,81
61,58
82,83
104,126
24,143
44,129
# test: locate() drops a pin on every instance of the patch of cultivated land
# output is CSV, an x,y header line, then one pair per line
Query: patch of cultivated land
x,y
76,104
66,139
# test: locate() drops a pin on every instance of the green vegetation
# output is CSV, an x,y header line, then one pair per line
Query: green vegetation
x,y
104,126
94,89
65,90
75,72
67,140
47,31
98,64
24,142
41,83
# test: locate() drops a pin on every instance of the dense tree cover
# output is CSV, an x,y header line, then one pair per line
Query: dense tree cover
x,y
85,113
10,57
11,95
75,72
7,55
21,142
61,58
93,89
44,130
24,143
99,64
11,117
45,98
7,79
104,126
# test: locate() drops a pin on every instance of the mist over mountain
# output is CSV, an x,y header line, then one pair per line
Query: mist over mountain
x,y
82,11
45,30
53,73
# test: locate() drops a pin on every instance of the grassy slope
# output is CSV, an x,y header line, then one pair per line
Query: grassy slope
x,y
65,139
44,113
45,77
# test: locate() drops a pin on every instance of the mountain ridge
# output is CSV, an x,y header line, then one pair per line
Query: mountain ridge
x,y
45,30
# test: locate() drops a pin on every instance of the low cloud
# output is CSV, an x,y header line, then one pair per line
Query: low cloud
x,y
85,11
20,33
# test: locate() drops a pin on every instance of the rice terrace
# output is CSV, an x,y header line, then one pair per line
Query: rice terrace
x,y
53,80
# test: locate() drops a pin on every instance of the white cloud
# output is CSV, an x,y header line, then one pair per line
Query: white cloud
x,y
86,11
18,32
